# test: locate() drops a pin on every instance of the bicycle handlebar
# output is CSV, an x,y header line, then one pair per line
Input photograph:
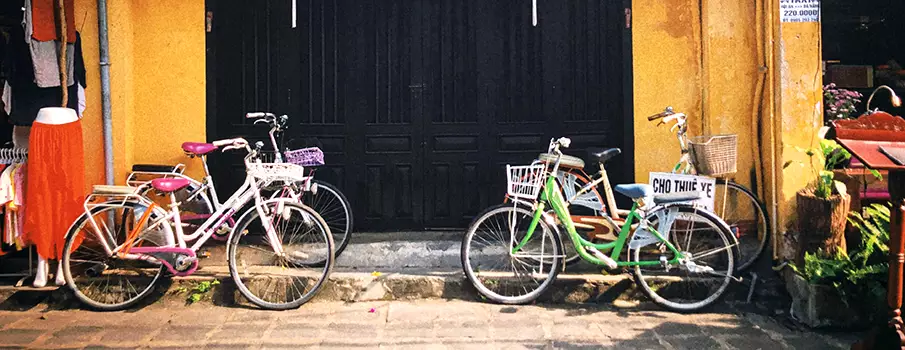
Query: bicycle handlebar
x,y
667,112
253,115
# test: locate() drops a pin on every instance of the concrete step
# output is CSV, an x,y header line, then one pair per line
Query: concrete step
x,y
397,250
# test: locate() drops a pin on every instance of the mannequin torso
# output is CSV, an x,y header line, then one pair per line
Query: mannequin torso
x,y
56,116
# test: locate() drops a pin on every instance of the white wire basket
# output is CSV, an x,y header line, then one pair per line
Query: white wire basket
x,y
273,172
524,181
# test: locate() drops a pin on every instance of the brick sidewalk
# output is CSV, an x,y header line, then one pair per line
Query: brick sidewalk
x,y
405,325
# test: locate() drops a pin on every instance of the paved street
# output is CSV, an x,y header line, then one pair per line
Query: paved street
x,y
404,325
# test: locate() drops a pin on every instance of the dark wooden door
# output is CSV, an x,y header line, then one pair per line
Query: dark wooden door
x,y
419,104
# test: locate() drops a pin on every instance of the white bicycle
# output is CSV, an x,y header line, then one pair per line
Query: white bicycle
x,y
279,253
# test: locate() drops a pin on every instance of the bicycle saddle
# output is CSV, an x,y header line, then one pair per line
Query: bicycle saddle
x,y
198,148
167,185
603,154
566,162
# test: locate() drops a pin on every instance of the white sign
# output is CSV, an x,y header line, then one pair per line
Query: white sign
x,y
799,10
672,183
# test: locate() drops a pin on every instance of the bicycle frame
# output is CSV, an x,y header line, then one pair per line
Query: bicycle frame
x,y
550,194
247,192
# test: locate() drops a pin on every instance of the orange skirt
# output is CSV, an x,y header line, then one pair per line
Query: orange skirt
x,y
55,188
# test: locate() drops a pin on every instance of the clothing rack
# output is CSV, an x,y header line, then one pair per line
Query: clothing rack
x,y
12,156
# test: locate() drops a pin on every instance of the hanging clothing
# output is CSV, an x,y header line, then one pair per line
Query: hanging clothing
x,y
45,56
25,96
44,21
56,187
15,213
12,198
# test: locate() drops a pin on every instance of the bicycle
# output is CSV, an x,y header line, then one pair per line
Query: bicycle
x,y
735,204
279,253
536,262
201,198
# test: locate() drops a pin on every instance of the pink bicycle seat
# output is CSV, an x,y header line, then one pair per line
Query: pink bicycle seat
x,y
170,185
198,148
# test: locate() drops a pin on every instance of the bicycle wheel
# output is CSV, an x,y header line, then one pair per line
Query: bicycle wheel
x,y
334,208
498,273
104,282
286,280
747,220
698,280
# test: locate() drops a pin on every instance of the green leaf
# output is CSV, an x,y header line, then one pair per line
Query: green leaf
x,y
876,174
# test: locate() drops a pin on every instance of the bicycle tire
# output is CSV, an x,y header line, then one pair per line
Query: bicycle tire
x,y
484,285
751,247
661,294
325,266
69,250
341,227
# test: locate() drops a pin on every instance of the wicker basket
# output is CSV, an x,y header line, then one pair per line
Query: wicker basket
x,y
714,155
311,156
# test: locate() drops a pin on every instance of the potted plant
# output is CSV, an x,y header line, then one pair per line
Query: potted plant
x,y
823,205
846,290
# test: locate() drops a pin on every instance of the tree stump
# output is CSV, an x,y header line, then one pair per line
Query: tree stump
x,y
821,224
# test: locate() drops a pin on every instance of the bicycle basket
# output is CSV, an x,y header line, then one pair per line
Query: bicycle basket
x,y
311,156
524,181
272,172
714,155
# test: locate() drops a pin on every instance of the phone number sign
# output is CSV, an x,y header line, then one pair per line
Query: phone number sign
x,y
799,10
671,183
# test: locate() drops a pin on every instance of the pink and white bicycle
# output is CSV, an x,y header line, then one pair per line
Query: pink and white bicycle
x,y
280,252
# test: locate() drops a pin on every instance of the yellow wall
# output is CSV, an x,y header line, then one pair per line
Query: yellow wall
x,y
666,58
157,69
708,59
710,77
170,90
800,87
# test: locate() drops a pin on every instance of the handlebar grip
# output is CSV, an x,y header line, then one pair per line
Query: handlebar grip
x,y
656,116
253,115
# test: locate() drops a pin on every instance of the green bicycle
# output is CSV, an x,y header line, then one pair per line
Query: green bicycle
x,y
681,256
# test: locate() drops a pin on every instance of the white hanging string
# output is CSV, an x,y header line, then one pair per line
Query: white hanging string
x,y
294,15
534,13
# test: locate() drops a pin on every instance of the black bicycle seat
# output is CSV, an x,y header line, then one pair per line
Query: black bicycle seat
x,y
602,155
